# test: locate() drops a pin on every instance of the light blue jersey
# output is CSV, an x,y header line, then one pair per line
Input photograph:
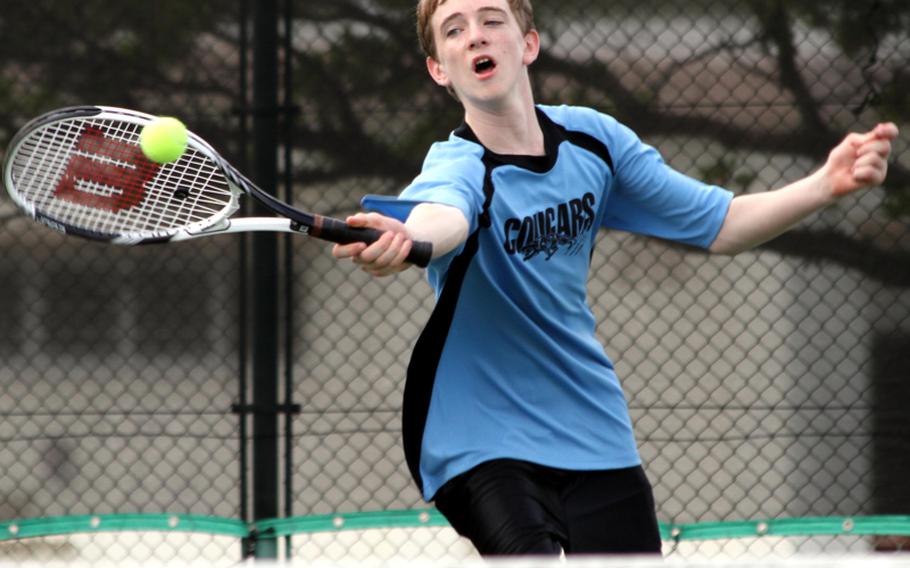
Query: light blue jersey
x,y
508,365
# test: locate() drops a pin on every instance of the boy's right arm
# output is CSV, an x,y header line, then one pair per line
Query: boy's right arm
x,y
442,225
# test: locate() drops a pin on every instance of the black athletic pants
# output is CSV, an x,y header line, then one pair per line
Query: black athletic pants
x,y
514,507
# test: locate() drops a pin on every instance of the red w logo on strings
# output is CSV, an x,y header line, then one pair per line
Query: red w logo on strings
x,y
120,168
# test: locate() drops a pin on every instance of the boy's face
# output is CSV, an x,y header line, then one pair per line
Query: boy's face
x,y
481,51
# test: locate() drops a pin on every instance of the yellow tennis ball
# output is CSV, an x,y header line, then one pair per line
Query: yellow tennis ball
x,y
163,140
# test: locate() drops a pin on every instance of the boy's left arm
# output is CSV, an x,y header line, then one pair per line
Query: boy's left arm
x,y
860,160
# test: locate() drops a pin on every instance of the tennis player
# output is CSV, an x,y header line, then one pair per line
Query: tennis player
x,y
514,421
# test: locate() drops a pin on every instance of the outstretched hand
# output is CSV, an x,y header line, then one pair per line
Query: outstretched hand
x,y
386,255
861,160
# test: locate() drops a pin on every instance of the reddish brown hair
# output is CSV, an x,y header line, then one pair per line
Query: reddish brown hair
x,y
521,9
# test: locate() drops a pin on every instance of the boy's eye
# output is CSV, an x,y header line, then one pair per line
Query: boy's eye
x,y
452,32
493,22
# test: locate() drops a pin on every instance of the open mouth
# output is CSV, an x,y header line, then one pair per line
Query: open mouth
x,y
483,65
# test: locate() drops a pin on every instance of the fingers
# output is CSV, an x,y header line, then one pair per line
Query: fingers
x,y
860,160
877,146
871,167
384,256
886,131
872,149
348,251
352,250
876,140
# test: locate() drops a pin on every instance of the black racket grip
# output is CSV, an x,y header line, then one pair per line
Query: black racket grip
x,y
338,231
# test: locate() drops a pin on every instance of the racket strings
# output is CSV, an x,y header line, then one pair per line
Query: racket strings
x,y
91,174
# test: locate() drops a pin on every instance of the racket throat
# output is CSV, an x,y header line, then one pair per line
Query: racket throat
x,y
300,228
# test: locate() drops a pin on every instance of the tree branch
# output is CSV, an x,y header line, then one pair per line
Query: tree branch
x,y
648,119
778,29
888,266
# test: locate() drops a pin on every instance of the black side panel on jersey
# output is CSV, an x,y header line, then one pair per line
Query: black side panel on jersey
x,y
427,352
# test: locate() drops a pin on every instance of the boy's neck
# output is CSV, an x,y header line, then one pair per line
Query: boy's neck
x,y
513,130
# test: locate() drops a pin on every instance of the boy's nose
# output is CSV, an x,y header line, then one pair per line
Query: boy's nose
x,y
477,37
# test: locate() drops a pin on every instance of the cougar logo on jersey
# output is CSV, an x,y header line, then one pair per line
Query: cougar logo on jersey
x,y
551,229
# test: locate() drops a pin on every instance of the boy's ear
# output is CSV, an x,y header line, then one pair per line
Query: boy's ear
x,y
438,73
532,47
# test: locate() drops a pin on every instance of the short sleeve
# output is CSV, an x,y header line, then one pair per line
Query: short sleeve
x,y
649,197
452,174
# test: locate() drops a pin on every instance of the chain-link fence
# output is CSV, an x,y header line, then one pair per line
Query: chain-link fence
x,y
764,386
119,366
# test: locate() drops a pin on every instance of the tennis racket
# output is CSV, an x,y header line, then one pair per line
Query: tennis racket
x,y
80,171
